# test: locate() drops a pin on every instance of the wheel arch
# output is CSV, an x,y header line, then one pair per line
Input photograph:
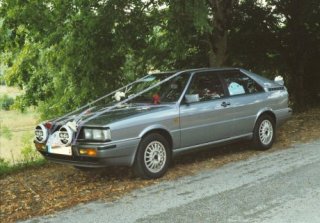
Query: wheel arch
x,y
155,129
266,111
160,130
139,164
256,139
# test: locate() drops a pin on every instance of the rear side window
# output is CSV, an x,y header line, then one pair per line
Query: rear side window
x,y
238,84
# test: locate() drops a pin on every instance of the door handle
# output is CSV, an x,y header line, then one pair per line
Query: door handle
x,y
225,104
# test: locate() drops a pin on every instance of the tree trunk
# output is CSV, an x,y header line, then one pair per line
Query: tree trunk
x,y
297,87
218,39
295,53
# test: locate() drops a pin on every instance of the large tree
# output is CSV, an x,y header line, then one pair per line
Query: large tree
x,y
299,49
222,11
202,26
64,53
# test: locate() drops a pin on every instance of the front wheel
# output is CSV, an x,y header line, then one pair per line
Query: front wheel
x,y
153,157
264,132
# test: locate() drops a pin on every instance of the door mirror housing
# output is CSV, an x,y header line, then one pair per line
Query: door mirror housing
x,y
191,98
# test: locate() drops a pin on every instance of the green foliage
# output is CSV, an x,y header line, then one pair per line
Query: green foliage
x,y
19,104
6,102
253,43
299,50
66,53
2,82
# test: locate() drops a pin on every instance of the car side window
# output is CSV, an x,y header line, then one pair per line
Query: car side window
x,y
238,84
205,86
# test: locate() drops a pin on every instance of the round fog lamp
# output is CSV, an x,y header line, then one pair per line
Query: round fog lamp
x,y
65,135
41,133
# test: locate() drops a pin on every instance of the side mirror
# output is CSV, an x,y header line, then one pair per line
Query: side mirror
x,y
191,98
279,80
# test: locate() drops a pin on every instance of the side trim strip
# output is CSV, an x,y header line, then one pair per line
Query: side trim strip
x,y
107,147
184,149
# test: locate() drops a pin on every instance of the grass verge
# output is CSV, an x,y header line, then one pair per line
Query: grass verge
x,y
16,130
6,168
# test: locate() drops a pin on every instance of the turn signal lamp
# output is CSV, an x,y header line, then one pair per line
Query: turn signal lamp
x,y
92,152
39,146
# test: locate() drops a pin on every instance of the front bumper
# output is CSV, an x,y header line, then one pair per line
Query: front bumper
x,y
120,153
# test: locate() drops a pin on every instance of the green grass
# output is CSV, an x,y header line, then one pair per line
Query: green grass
x,y
16,130
17,151
10,91
7,168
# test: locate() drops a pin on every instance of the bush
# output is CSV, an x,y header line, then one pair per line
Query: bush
x,y
6,102
28,151
19,104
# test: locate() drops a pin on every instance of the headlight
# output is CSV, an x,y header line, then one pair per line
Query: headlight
x,y
41,133
97,134
65,135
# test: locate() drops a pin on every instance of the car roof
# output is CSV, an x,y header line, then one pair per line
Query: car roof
x,y
214,69
204,69
260,79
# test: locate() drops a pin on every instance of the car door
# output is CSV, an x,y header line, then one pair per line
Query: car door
x,y
204,114
245,97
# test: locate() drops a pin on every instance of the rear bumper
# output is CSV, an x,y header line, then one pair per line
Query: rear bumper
x,y
283,115
121,153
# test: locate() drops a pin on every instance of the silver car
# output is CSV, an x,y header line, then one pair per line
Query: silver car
x,y
146,123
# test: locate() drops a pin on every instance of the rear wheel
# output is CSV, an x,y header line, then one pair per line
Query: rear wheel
x,y
264,132
153,157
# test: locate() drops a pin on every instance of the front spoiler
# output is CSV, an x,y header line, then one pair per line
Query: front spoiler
x,y
93,162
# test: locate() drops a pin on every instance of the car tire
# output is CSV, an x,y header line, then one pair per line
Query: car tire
x,y
153,157
264,132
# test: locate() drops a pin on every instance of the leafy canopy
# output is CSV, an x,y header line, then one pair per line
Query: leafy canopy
x,y
66,53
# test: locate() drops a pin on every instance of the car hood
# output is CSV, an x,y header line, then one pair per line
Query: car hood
x,y
124,113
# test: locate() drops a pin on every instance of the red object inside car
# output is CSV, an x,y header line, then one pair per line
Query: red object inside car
x,y
48,125
156,99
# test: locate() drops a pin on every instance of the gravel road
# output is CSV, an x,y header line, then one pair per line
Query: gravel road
x,y
282,186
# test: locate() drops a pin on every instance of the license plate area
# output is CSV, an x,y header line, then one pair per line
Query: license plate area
x,y
62,150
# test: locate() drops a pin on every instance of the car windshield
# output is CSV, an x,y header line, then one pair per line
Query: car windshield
x,y
167,92
155,93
